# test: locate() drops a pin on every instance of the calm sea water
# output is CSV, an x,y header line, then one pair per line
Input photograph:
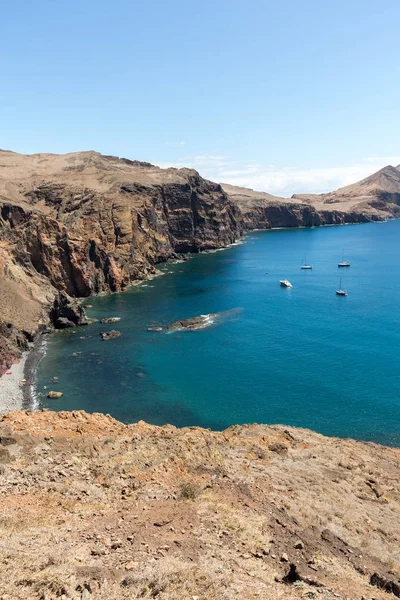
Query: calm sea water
x,y
302,356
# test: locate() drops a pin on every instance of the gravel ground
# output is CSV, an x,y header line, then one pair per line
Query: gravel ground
x,y
11,394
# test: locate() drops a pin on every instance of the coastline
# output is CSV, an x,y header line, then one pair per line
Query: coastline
x,y
11,390
34,356
14,396
17,385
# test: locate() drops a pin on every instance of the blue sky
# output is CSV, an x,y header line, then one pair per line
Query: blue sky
x,y
286,97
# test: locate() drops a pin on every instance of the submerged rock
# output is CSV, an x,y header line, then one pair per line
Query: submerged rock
x,y
109,335
110,320
200,322
53,395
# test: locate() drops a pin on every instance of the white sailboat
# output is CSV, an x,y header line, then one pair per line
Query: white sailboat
x,y
304,263
343,263
341,292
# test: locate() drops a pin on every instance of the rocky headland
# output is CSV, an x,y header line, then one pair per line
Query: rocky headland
x,y
375,198
92,508
81,224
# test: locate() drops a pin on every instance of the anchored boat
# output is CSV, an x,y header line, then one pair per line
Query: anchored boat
x,y
304,264
341,292
343,263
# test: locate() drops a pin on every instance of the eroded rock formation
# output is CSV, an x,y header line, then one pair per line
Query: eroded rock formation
x,y
373,199
79,224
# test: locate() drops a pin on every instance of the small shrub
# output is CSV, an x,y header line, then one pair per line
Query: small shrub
x,y
189,491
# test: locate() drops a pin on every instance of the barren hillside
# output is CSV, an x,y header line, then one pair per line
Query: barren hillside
x,y
373,199
378,196
91,508
83,223
78,224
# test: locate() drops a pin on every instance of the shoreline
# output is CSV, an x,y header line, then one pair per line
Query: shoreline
x,y
11,390
34,356
14,396
18,384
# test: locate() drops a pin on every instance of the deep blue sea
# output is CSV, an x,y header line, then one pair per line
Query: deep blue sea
x,y
302,356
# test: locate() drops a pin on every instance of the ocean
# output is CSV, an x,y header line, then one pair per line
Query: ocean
x,y
301,356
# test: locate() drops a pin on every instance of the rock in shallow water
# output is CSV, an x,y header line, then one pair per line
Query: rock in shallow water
x,y
109,335
110,320
53,395
193,323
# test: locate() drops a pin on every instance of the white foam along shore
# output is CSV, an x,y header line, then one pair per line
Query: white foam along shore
x,y
11,390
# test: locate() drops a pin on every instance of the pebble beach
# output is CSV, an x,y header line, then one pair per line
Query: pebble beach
x,y
11,390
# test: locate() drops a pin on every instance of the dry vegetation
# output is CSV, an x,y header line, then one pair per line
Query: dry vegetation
x,y
91,508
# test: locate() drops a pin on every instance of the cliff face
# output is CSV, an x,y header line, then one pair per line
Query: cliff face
x,y
375,198
85,223
92,508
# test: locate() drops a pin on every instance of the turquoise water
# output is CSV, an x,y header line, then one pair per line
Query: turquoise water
x,y
302,356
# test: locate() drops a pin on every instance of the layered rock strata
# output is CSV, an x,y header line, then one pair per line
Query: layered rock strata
x,y
82,224
79,224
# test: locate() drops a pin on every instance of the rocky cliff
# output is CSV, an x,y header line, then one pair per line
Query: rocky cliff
x,y
79,224
84,223
375,198
94,509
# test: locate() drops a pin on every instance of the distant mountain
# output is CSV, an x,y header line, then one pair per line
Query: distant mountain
x,y
374,198
387,180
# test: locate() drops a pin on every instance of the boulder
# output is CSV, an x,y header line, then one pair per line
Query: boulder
x,y
200,322
109,335
67,310
53,395
110,320
63,323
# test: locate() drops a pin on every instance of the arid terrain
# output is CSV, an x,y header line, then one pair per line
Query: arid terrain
x,y
92,508
375,198
78,224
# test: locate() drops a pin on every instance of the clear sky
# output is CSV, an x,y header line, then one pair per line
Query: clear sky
x,y
286,96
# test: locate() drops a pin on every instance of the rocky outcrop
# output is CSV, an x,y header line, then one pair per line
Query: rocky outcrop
x,y
193,323
67,312
373,199
136,511
81,224
110,335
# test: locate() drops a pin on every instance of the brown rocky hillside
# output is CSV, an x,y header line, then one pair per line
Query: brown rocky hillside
x,y
378,196
78,224
373,199
84,223
92,508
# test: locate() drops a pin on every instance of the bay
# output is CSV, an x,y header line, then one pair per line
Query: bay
x,y
301,356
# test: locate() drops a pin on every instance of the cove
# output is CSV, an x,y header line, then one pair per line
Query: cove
x,y
301,356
